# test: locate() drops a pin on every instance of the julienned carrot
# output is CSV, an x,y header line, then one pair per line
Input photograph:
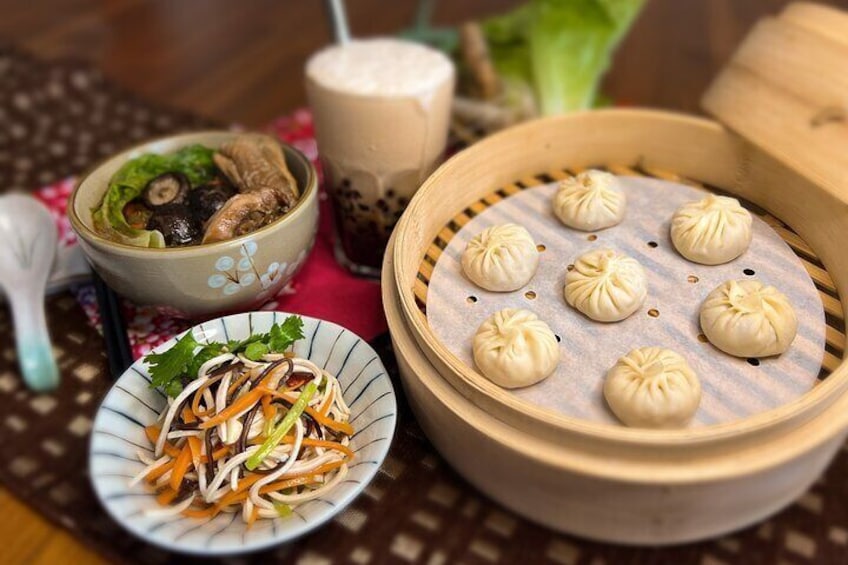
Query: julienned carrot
x,y
166,496
240,381
241,495
159,471
240,404
181,464
195,448
289,483
341,427
295,480
188,416
243,486
286,481
152,433
314,443
208,512
217,454
328,444
198,396
320,470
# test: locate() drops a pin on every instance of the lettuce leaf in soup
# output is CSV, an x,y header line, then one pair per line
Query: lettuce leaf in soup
x,y
127,184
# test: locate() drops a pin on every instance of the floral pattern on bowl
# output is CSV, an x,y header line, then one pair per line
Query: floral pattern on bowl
x,y
235,273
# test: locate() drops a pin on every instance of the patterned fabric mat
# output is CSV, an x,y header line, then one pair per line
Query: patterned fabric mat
x,y
56,118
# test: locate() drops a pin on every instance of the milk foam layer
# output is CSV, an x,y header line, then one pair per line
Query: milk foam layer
x,y
380,67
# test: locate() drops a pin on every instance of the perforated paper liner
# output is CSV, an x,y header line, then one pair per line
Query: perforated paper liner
x,y
733,388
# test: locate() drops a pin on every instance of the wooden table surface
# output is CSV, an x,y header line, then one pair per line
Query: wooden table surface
x,y
242,61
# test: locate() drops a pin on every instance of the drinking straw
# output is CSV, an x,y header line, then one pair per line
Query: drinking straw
x,y
341,30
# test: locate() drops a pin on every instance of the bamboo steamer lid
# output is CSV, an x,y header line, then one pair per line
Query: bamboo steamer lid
x,y
785,90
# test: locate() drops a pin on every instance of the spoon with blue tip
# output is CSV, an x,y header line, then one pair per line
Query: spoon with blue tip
x,y
28,241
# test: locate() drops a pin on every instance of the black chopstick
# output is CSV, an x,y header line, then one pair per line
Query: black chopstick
x,y
118,350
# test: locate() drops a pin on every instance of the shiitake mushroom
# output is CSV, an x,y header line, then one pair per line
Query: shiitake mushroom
x,y
166,190
177,224
207,199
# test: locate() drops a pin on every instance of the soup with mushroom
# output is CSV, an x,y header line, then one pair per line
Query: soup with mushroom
x,y
197,194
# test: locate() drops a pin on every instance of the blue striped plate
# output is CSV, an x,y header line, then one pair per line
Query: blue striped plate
x,y
118,434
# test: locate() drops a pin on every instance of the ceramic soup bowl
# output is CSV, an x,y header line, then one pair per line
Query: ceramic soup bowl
x,y
200,280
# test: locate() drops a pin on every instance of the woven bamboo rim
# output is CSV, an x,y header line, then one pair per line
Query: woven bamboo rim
x,y
648,142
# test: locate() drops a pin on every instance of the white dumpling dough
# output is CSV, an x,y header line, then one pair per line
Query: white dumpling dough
x,y
711,231
514,348
652,387
593,200
501,258
605,285
746,318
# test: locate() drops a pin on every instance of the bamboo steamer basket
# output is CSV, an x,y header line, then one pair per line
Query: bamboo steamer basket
x,y
579,492
610,482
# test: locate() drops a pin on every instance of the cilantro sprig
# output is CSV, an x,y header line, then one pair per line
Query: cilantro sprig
x,y
169,369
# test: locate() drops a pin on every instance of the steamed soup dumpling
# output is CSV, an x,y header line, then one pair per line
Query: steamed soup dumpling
x,y
592,200
513,348
746,318
501,258
605,285
652,387
711,231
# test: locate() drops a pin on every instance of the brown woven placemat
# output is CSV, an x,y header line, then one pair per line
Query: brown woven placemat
x,y
56,119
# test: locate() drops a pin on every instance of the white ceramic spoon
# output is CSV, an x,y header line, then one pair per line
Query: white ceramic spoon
x,y
27,249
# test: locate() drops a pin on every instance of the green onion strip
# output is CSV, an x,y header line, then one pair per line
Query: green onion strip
x,y
285,425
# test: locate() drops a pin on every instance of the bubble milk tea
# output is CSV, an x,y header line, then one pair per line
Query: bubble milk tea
x,y
381,109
